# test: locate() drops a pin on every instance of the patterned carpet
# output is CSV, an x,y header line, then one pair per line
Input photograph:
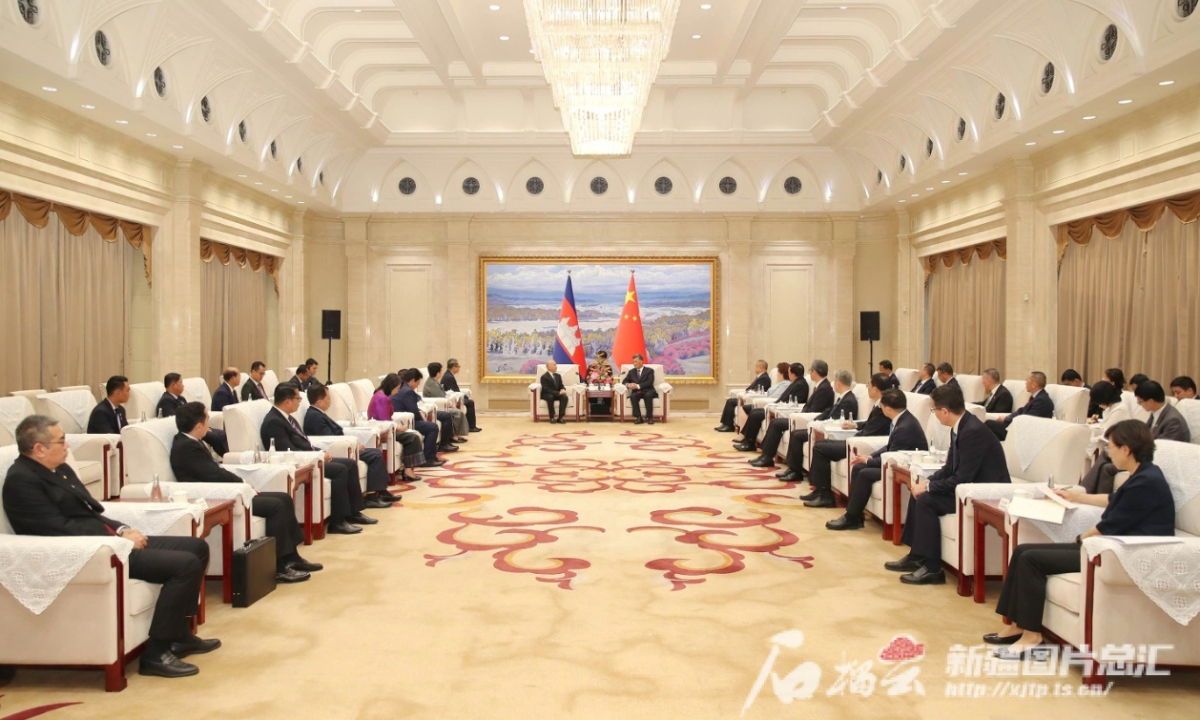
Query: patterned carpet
x,y
596,571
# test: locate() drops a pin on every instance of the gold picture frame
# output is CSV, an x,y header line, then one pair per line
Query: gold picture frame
x,y
712,261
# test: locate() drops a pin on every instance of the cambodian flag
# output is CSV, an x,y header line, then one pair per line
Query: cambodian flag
x,y
568,347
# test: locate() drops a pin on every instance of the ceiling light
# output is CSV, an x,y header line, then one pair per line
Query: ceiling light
x,y
274,189
695,37
706,6
962,174
299,202
928,189
47,88
241,176
1165,83
1030,144
289,197
1058,132
903,201
177,147
88,107
1124,102
504,37
258,182
1089,117
122,122
357,9
493,7
151,134
915,195
945,182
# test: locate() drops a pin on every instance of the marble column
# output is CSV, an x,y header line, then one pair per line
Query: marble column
x,y
1031,280
735,304
841,328
910,298
177,277
357,323
292,320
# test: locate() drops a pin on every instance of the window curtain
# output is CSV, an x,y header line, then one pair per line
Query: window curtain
x,y
233,320
966,308
1129,292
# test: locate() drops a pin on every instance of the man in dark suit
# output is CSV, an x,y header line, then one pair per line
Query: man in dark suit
x,y
226,393
345,514
945,374
1039,405
975,456
998,399
845,405
407,400
253,389
1165,423
762,383
173,399
316,422
885,367
640,382
43,496
191,462
1183,388
795,391
827,452
553,393
821,399
1071,377
904,433
300,379
450,384
108,417
312,366
925,383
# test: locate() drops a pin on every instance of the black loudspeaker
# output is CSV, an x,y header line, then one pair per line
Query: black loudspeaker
x,y
868,324
331,324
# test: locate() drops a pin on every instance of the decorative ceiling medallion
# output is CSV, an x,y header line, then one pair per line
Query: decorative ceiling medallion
x,y
103,50
792,185
599,185
534,186
663,185
470,186
408,186
728,185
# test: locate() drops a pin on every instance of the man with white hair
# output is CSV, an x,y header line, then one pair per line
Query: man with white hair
x,y
553,391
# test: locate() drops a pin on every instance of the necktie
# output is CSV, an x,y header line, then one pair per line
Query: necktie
x,y
1150,421
296,426
954,448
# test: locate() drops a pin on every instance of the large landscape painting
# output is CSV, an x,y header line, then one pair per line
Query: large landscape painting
x,y
521,301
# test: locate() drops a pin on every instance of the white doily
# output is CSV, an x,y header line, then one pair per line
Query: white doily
x,y
665,388
154,518
162,430
255,475
800,420
35,569
1031,435
402,420
1077,521
1168,573
1180,463
989,491
364,435
12,411
346,394
76,403
1190,410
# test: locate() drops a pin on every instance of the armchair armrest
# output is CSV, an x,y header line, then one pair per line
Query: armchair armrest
x,y
800,420
866,445
403,420
158,519
106,450
336,445
997,416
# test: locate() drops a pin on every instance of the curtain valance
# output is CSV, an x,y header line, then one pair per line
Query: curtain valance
x,y
1110,225
964,255
213,250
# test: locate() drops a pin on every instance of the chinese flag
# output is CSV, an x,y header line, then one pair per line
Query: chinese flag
x,y
630,340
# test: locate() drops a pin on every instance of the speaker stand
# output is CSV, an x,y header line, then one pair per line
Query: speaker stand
x,y
871,367
329,365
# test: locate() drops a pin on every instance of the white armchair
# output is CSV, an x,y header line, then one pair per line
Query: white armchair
x,y
71,409
570,378
908,377
662,403
196,389
1190,409
143,400
1070,403
972,387
270,381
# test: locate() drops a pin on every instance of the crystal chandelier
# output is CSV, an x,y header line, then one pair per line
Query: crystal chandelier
x,y
600,58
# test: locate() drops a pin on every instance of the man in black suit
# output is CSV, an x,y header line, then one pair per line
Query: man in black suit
x,y
975,456
827,452
345,513
554,392
876,423
226,393
762,383
640,382
173,399
300,379
312,366
450,384
945,374
885,367
998,399
1071,377
845,405
406,400
43,496
795,391
925,383
904,433
1039,405
191,462
317,422
821,399
253,389
1183,388
108,417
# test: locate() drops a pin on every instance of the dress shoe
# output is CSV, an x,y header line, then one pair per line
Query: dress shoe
x,y
639,421
291,575
787,475
360,519
650,421
1039,652
448,448
476,429
745,447
411,478
922,576
762,462
844,523
998,639
562,420
460,440
305,566
903,565
166,665
811,496
376,503
432,463
724,428
342,527
195,646
388,497
822,500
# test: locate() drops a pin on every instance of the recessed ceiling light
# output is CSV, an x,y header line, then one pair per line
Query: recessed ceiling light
x,y
274,189
945,182
695,37
1089,117
493,7
1058,132
47,88
258,182
903,201
151,134
1124,102
122,122
357,9
504,37
88,107
928,189
1030,144
177,147
706,6
241,176
1165,83
530,51
962,174
915,195
299,202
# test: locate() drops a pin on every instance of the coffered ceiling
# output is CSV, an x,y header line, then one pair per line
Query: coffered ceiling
x,y
860,100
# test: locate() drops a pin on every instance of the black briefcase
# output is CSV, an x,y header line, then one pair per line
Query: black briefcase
x,y
253,571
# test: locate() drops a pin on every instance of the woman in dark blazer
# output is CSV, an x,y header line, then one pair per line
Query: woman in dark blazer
x,y
1143,505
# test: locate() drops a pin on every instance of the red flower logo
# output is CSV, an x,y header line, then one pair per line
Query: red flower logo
x,y
901,648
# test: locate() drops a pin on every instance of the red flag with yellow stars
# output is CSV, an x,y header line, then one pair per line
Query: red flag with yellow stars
x,y
630,340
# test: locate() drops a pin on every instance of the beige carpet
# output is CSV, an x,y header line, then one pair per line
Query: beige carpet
x,y
589,571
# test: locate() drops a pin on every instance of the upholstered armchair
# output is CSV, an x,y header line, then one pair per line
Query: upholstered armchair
x,y
1070,403
196,389
1190,409
908,377
972,387
570,378
71,409
662,403
143,400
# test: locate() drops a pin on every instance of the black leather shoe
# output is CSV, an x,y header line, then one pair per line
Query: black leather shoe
x,y
822,500
639,421
476,429
745,447
460,440
997,639
342,527
904,565
448,448
305,566
195,646
762,462
166,665
844,523
388,497
787,475
922,576
811,496
376,503
724,428
360,519
291,575
432,463
650,421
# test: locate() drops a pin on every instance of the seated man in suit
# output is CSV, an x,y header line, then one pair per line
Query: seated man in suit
x,y
450,384
299,380
998,399
1165,423
945,374
761,383
226,393
1183,388
904,433
1072,378
433,389
43,496
827,452
975,456
108,417
253,389
312,366
173,399
346,503
795,391
1136,380
191,462
925,383
553,392
822,399
407,400
845,405
1039,405
316,422
640,381
875,424
885,367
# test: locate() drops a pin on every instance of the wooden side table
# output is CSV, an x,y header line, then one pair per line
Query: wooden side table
x,y
608,395
988,513
304,477
901,477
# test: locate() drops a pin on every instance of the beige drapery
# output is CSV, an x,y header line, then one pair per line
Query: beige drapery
x,y
1185,207
983,251
76,222
233,314
1132,301
212,250
966,311
66,322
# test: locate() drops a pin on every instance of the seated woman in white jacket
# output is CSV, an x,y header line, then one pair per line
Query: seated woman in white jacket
x,y
1107,397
